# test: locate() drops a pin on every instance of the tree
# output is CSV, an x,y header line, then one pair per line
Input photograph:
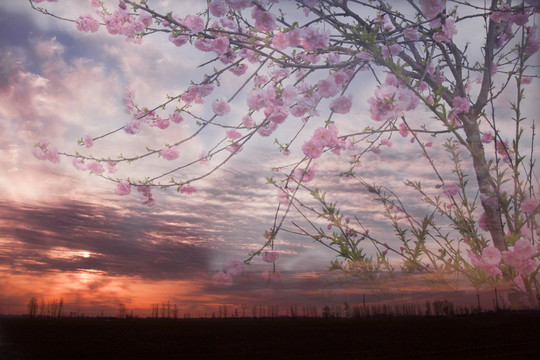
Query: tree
x,y
480,211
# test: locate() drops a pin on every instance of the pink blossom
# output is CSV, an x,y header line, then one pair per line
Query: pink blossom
x,y
247,121
411,34
222,279
239,70
176,117
170,153
386,142
431,8
280,41
95,167
146,18
390,50
475,259
524,249
447,31
270,256
450,188
312,149
305,175
530,206
39,153
218,8
326,136
133,127
221,107
123,188
256,100
428,144
283,197
204,45
233,134
194,23
178,39
239,4
267,129
79,164
95,3
88,141
220,45
460,105
188,189
487,137
161,123
111,168
234,266
327,87
341,105
288,95
87,23
264,20
520,19
235,148
491,255
312,39
532,43
403,130
503,13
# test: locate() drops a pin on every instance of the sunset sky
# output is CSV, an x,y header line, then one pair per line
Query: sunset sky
x,y
66,234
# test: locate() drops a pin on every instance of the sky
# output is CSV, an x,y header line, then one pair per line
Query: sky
x,y
66,234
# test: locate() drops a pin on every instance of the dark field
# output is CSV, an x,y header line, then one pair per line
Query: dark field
x,y
486,336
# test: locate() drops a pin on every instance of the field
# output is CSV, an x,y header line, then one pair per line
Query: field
x,y
514,335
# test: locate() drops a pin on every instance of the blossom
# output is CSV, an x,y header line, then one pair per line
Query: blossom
x,y
460,105
79,164
264,20
88,141
431,8
123,188
313,148
87,23
233,134
487,137
221,107
234,266
178,39
491,255
222,279
390,50
341,105
194,23
218,8
270,256
176,117
312,39
529,206
219,45
305,175
133,127
403,130
283,197
95,167
239,70
447,31
327,87
247,121
450,188
411,34
169,153
239,4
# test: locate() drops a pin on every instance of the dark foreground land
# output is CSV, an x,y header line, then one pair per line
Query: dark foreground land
x,y
486,336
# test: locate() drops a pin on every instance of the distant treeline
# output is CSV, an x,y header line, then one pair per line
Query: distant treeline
x,y
167,310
